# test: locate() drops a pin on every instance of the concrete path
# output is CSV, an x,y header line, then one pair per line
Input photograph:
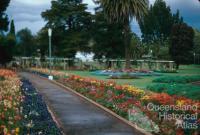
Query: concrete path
x,y
77,116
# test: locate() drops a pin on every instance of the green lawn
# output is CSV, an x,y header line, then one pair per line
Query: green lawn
x,y
143,81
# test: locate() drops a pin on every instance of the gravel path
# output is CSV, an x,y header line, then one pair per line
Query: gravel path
x,y
77,116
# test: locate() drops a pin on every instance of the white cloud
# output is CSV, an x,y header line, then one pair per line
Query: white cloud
x,y
33,2
34,26
26,13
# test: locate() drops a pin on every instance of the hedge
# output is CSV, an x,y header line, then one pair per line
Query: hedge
x,y
189,91
177,79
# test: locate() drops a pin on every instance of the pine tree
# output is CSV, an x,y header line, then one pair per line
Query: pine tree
x,y
12,28
107,37
26,44
71,25
157,24
11,37
182,44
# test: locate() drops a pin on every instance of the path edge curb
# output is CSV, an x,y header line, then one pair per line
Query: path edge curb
x,y
54,117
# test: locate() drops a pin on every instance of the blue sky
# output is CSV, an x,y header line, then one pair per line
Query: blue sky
x,y
26,13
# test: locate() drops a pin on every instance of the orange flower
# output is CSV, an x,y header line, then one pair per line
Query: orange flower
x,y
162,98
118,87
7,73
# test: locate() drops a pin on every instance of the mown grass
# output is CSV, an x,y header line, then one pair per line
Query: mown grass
x,y
143,82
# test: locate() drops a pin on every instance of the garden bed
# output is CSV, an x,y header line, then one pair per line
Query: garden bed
x,y
37,119
10,103
22,109
124,76
123,99
125,72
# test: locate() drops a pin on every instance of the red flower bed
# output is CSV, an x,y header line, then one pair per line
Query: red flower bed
x,y
122,98
7,73
10,100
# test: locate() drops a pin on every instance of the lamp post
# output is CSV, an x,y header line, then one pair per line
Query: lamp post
x,y
50,65
194,57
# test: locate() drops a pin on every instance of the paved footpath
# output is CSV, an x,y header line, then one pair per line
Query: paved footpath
x,y
77,116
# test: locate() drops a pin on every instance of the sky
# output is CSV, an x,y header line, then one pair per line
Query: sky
x,y
26,13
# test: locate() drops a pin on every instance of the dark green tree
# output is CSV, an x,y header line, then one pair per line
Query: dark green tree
x,y
182,44
71,27
11,39
107,37
197,42
177,19
157,24
42,43
3,17
26,43
5,54
136,48
12,27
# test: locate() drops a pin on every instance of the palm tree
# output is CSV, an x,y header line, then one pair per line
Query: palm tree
x,y
124,11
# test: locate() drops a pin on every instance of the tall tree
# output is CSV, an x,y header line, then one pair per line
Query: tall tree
x,y
26,43
71,25
3,17
42,42
157,24
136,48
107,37
177,18
197,42
123,11
12,27
182,44
5,55
11,38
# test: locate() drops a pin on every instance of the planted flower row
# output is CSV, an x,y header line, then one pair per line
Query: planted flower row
x,y
10,103
122,98
22,110
126,100
37,120
45,72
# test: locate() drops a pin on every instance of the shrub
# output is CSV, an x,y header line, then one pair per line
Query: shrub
x,y
177,79
124,76
189,91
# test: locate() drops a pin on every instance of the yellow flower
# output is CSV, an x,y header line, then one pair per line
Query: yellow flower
x,y
134,90
93,82
146,97
17,130
180,102
111,84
